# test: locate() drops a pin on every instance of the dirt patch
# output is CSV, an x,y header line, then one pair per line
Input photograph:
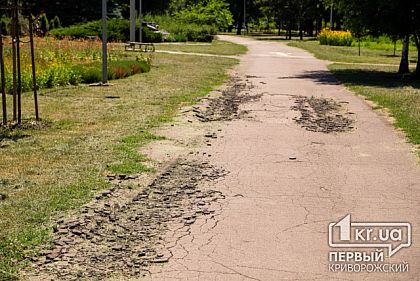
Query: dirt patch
x,y
322,115
226,106
28,124
113,236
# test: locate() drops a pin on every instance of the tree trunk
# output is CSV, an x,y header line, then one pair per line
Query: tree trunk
x,y
417,40
404,65
311,29
300,31
240,21
395,48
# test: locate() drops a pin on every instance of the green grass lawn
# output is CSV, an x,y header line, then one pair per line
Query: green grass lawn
x,y
380,84
215,48
94,130
372,54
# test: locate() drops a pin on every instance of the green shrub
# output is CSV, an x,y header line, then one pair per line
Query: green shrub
x,y
151,37
181,31
92,73
177,38
4,23
89,74
55,23
65,75
44,24
118,31
55,76
213,12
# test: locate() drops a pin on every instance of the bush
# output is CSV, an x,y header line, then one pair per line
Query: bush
x,y
44,25
65,75
335,38
4,22
213,12
55,23
150,36
92,73
181,31
118,31
177,38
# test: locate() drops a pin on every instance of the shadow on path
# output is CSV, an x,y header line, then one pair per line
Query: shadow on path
x,y
359,77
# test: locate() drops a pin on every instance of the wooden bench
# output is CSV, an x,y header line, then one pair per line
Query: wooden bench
x,y
140,47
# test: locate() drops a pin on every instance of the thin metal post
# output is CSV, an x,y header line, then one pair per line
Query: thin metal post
x,y
34,84
104,44
19,70
141,21
132,20
14,65
3,80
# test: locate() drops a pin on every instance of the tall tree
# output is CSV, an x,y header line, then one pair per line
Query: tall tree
x,y
291,14
399,19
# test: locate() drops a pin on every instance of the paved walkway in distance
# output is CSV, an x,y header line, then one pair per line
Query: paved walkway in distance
x,y
286,184
196,54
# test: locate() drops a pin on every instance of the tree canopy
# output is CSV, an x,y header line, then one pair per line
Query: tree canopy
x,y
397,19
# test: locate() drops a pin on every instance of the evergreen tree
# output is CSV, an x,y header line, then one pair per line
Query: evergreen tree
x,y
44,24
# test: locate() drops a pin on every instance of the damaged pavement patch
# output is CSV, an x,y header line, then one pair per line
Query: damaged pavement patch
x,y
116,237
322,115
226,106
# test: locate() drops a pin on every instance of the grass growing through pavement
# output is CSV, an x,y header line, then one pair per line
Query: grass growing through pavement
x,y
94,131
216,48
380,84
130,161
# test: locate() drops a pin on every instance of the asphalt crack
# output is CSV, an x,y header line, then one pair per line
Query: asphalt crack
x,y
127,238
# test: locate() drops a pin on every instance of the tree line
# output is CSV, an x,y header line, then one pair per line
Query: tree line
x,y
397,19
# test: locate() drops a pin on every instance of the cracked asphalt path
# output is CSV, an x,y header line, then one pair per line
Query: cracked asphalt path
x,y
286,183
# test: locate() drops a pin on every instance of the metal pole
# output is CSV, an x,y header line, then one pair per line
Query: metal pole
x,y
331,16
3,80
141,21
34,84
104,44
19,70
14,65
132,20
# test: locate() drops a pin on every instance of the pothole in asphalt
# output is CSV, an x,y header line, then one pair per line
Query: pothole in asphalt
x,y
322,115
117,237
226,107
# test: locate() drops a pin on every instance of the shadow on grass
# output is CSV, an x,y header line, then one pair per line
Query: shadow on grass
x,y
15,132
7,134
359,77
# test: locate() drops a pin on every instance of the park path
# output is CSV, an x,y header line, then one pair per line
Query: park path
x,y
286,183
